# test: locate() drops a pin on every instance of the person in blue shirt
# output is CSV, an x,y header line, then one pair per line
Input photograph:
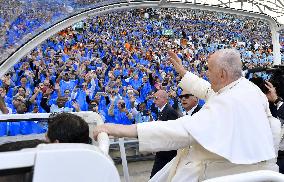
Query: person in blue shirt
x,y
143,115
120,112
66,83
145,88
135,82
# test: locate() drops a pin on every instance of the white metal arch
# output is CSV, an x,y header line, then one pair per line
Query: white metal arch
x,y
29,46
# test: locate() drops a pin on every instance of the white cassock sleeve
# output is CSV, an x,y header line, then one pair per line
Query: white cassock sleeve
x,y
163,135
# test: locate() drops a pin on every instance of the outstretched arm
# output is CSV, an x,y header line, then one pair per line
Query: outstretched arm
x,y
153,136
116,130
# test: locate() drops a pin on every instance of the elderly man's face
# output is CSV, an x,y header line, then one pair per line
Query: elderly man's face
x,y
214,73
188,101
159,100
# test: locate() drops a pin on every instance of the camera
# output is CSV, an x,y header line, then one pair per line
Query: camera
x,y
276,78
122,105
260,82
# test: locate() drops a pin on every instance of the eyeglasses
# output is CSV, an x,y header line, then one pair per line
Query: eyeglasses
x,y
185,96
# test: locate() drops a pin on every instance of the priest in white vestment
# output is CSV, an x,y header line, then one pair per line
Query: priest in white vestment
x,y
233,132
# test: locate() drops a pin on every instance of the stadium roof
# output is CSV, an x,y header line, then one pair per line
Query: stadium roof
x,y
22,20
273,8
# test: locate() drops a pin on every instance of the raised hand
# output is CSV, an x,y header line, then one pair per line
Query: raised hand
x,y
56,87
76,106
37,90
174,59
271,94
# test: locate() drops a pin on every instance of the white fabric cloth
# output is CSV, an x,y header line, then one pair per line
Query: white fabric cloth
x,y
232,127
238,112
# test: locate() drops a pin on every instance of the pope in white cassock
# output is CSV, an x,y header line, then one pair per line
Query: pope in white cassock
x,y
233,132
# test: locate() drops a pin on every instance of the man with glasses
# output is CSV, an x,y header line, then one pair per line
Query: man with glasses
x,y
189,103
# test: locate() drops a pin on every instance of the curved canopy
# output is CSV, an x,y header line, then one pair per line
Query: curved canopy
x,y
21,20
273,8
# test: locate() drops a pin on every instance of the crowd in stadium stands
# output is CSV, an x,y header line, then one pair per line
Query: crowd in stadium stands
x,y
112,63
20,20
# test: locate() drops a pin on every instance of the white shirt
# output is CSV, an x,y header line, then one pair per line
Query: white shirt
x,y
189,112
160,110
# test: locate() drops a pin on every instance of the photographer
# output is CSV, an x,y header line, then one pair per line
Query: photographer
x,y
277,110
277,106
273,90
120,112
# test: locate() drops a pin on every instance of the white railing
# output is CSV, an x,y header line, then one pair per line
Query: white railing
x,y
90,117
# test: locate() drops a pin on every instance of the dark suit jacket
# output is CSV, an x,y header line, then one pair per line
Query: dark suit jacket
x,y
163,157
196,110
277,112
168,113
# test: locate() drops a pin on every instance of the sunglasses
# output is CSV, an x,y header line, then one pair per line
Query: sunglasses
x,y
93,105
185,96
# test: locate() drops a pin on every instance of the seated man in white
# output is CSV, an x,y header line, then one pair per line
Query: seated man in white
x,y
233,132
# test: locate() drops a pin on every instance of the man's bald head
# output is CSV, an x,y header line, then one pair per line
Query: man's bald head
x,y
161,98
162,94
